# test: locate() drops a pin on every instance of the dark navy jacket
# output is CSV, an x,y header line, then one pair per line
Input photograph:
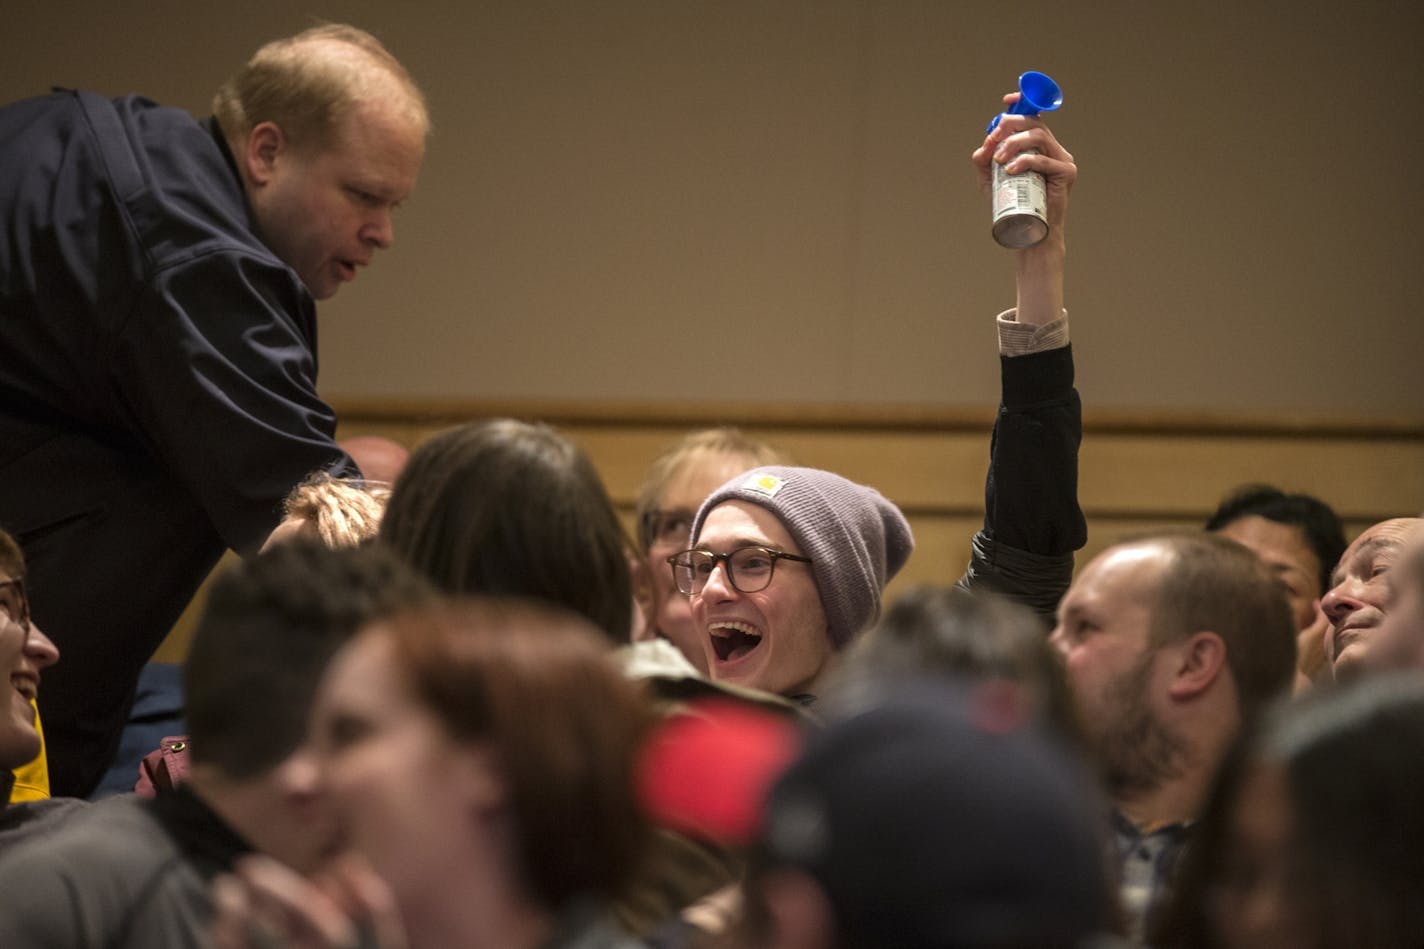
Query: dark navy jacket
x,y
157,381
139,307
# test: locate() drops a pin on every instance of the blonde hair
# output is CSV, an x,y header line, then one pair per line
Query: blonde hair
x,y
308,83
696,448
344,512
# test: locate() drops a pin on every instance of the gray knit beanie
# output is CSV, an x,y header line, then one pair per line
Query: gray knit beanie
x,y
856,539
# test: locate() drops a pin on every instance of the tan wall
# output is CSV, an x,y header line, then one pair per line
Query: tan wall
x,y
674,201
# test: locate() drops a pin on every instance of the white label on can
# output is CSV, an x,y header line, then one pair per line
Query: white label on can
x,y
1023,193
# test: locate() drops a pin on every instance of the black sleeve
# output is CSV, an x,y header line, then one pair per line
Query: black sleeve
x,y
1032,521
215,371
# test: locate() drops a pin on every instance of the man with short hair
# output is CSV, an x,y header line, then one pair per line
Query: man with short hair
x,y
1299,537
787,567
1170,644
1359,599
133,872
158,366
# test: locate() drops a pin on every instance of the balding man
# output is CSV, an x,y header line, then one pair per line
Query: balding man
x,y
1360,598
1170,643
158,366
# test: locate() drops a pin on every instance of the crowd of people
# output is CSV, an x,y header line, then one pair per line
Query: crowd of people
x,y
447,700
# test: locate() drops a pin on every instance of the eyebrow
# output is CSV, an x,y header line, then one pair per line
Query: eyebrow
x,y
1280,568
378,189
744,541
1370,549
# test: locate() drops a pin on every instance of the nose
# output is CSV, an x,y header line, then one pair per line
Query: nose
x,y
40,649
1342,600
300,774
380,230
1058,640
717,586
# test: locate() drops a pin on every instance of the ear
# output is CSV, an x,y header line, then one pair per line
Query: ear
x,y
265,144
798,912
1200,660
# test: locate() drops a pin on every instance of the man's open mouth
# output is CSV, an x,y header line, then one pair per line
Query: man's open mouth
x,y
732,640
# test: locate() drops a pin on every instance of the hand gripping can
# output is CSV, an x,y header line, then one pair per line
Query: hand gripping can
x,y
1020,208
1021,201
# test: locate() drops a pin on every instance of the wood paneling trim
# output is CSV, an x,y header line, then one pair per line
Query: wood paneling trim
x,y
1158,473
859,417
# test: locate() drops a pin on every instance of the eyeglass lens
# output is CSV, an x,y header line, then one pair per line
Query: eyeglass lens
x,y
670,528
748,569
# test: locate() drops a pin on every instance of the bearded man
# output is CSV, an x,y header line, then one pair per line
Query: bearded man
x,y
1171,644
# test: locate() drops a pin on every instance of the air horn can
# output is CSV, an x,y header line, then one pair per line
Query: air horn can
x,y
1020,203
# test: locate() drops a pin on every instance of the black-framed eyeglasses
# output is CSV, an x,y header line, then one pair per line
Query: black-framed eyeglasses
x,y
748,569
666,528
15,603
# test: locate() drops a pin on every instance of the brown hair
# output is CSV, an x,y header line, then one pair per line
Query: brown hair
x,y
948,632
513,508
308,83
1216,584
692,449
12,559
267,630
538,683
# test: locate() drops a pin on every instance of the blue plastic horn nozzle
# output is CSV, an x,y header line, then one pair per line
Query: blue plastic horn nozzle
x,y
1038,93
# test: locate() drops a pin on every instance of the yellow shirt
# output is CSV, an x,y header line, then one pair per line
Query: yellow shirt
x,y
32,780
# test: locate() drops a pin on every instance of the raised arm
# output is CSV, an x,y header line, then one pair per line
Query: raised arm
x,y
1032,521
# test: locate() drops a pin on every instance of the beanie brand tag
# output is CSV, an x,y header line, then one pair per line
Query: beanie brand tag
x,y
765,484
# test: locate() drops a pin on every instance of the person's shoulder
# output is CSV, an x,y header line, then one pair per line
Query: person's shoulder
x,y
103,834
596,932
110,876
151,116
186,203
172,142
25,819
131,110
151,153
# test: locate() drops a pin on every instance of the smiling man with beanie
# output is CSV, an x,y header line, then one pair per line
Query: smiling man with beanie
x,y
788,568
787,565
